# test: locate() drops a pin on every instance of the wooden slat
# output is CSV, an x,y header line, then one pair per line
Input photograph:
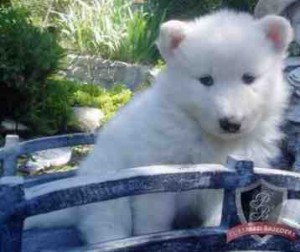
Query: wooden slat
x,y
9,155
84,190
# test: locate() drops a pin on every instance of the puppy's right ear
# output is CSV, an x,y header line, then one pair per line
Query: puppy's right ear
x,y
171,34
278,31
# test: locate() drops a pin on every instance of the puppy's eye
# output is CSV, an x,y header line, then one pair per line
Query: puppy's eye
x,y
207,80
248,78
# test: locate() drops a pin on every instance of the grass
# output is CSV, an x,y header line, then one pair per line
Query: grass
x,y
118,29
112,29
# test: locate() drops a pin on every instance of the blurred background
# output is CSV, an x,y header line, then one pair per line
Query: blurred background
x,y
61,54
68,65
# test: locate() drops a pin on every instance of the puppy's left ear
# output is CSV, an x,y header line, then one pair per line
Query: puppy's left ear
x,y
171,35
278,31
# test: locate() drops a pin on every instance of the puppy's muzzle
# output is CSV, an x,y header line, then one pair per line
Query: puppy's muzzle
x,y
229,126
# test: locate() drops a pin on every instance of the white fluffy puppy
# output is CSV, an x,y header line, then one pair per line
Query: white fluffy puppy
x,y
222,92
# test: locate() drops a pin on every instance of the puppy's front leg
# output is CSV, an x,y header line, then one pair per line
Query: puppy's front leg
x,y
199,208
105,221
153,212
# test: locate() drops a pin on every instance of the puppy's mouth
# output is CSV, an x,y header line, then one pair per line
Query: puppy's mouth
x,y
230,132
225,135
234,134
230,135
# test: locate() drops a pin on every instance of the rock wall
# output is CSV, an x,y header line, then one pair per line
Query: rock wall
x,y
92,69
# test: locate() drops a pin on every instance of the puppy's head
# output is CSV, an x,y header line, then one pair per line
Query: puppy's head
x,y
225,69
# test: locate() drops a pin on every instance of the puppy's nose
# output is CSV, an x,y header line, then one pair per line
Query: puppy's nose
x,y
229,126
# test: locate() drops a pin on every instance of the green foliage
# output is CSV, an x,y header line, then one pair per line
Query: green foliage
x,y
109,28
28,56
52,113
160,64
187,9
118,29
114,29
41,10
248,5
108,100
142,31
97,27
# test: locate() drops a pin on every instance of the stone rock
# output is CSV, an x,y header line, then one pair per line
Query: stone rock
x,y
265,7
89,119
46,158
10,125
92,69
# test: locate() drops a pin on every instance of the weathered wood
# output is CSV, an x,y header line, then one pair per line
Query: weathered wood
x,y
296,166
169,178
11,194
11,141
9,155
46,178
195,240
67,191
50,239
148,180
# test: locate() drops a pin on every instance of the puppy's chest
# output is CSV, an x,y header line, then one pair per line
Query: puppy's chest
x,y
175,145
204,152
207,152
193,150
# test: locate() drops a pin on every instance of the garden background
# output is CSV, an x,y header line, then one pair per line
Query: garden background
x,y
42,42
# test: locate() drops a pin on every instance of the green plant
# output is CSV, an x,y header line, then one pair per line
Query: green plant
x,y
118,29
28,56
96,27
115,29
53,113
160,64
108,100
63,94
41,10
139,43
187,9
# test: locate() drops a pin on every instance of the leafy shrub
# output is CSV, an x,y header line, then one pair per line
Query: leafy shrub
x,y
29,56
187,9
52,113
40,10
108,100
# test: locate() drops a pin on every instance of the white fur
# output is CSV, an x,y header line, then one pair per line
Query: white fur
x,y
176,120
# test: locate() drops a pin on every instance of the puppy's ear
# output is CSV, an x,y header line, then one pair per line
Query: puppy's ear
x,y
278,30
171,34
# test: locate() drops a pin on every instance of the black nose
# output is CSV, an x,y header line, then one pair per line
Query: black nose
x,y
229,126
